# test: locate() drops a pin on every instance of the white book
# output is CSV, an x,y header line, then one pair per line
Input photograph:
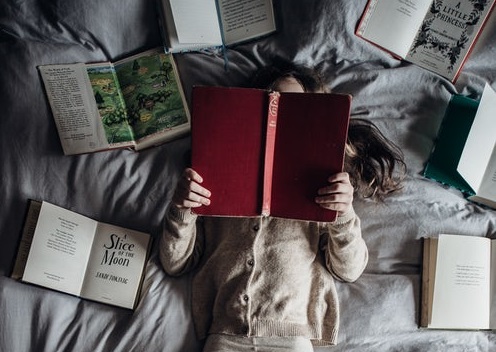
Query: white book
x,y
71,253
477,163
458,284
199,24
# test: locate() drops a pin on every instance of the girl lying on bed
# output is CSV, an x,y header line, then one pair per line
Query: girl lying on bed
x,y
269,282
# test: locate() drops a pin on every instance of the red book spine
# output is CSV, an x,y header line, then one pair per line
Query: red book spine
x,y
269,151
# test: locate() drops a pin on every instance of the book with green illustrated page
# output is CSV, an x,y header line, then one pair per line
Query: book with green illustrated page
x,y
134,103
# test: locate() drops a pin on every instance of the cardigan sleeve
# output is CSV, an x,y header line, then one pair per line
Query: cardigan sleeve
x,y
345,250
181,244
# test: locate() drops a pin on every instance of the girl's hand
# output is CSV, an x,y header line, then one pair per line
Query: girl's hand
x,y
338,195
189,193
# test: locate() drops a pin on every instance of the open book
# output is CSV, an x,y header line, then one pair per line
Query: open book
x,y
136,103
458,286
200,24
464,154
267,153
71,253
437,35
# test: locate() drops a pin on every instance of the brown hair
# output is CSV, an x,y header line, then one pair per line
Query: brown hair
x,y
374,163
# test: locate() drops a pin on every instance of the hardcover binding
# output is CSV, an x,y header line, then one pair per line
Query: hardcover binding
x,y
269,151
254,170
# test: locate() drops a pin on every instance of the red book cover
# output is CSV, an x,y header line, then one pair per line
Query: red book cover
x,y
227,143
230,147
311,134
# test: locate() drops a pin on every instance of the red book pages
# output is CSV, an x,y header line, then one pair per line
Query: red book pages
x,y
233,132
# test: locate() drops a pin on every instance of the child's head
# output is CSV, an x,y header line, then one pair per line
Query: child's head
x,y
280,72
288,84
374,163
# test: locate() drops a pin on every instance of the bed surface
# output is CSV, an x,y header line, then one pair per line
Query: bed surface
x,y
380,312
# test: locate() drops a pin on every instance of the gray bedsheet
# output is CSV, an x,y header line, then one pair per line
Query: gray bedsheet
x,y
380,312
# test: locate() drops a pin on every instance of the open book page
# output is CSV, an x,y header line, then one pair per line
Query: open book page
x,y
196,22
246,19
74,109
461,290
447,34
488,185
153,96
487,191
477,163
60,249
116,264
393,24
492,319
110,104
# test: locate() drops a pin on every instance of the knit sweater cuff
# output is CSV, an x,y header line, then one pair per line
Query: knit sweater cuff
x,y
182,215
346,217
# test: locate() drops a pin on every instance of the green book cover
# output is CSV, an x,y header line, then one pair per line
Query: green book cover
x,y
448,146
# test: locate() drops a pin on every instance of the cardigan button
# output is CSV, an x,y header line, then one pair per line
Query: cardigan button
x,y
251,262
245,298
256,228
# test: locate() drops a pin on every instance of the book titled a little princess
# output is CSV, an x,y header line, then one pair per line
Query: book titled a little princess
x,y
437,35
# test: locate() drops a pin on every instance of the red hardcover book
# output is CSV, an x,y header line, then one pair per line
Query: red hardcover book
x,y
267,153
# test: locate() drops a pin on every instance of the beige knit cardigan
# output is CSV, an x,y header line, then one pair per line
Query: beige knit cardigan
x,y
264,276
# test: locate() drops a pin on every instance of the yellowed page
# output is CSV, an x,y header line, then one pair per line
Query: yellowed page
x,y
74,108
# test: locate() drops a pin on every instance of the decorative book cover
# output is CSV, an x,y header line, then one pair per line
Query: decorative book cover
x,y
236,130
437,35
